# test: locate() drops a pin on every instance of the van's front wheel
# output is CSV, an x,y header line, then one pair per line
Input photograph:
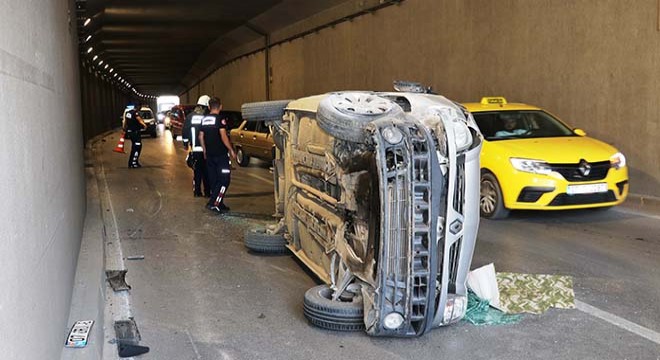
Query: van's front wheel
x,y
338,315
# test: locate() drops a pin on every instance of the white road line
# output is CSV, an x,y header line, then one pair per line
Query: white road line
x,y
268,180
638,213
198,356
619,321
160,204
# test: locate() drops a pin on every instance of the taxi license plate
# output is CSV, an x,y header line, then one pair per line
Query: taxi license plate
x,y
586,189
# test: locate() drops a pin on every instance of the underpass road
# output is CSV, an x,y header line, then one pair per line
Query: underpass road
x,y
198,294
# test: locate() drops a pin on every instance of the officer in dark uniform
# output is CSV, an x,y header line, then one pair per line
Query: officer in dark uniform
x,y
133,123
217,149
191,127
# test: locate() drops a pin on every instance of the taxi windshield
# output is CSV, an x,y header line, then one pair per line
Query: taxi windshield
x,y
502,125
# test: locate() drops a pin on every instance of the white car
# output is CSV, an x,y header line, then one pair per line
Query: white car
x,y
148,117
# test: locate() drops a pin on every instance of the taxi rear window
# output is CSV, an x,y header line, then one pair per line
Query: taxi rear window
x,y
146,114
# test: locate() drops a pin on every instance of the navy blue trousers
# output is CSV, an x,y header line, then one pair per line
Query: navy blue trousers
x,y
219,178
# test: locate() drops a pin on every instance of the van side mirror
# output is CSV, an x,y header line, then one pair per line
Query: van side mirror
x,y
579,132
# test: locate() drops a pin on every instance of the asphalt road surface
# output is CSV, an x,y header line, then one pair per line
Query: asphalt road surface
x,y
198,294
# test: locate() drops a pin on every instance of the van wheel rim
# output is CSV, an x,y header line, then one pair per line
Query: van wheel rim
x,y
362,104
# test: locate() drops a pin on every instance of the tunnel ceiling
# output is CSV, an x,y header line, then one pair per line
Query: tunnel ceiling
x,y
164,46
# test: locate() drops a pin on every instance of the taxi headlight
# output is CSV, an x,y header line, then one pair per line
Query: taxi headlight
x,y
618,161
531,166
392,135
455,308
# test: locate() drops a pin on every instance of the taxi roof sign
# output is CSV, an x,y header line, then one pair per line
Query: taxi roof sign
x,y
493,100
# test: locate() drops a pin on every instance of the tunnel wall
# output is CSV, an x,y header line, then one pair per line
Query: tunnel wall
x,y
42,189
593,63
102,103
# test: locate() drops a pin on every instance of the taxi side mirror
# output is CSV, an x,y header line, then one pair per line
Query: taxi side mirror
x,y
579,132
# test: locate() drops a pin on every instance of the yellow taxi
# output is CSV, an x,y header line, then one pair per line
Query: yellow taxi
x,y
532,160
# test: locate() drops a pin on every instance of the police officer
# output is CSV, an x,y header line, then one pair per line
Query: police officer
x,y
217,149
190,132
133,123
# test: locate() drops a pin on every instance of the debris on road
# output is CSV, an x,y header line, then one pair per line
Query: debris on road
x,y
117,279
128,338
479,312
79,334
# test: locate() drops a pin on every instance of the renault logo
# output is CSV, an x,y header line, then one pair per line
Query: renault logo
x,y
585,167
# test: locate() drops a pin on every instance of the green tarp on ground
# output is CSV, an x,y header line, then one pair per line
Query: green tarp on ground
x,y
533,293
512,293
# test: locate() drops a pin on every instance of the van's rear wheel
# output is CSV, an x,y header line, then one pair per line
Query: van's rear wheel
x,y
259,241
340,315
346,115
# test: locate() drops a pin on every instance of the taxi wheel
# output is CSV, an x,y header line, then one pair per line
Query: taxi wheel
x,y
491,204
243,160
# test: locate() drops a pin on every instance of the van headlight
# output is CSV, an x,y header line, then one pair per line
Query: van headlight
x,y
455,308
531,166
393,321
392,135
618,161
462,135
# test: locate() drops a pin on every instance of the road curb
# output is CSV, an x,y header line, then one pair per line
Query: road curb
x,y
646,203
89,291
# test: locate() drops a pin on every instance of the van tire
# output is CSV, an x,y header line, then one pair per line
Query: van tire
x,y
346,115
258,241
321,311
264,110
